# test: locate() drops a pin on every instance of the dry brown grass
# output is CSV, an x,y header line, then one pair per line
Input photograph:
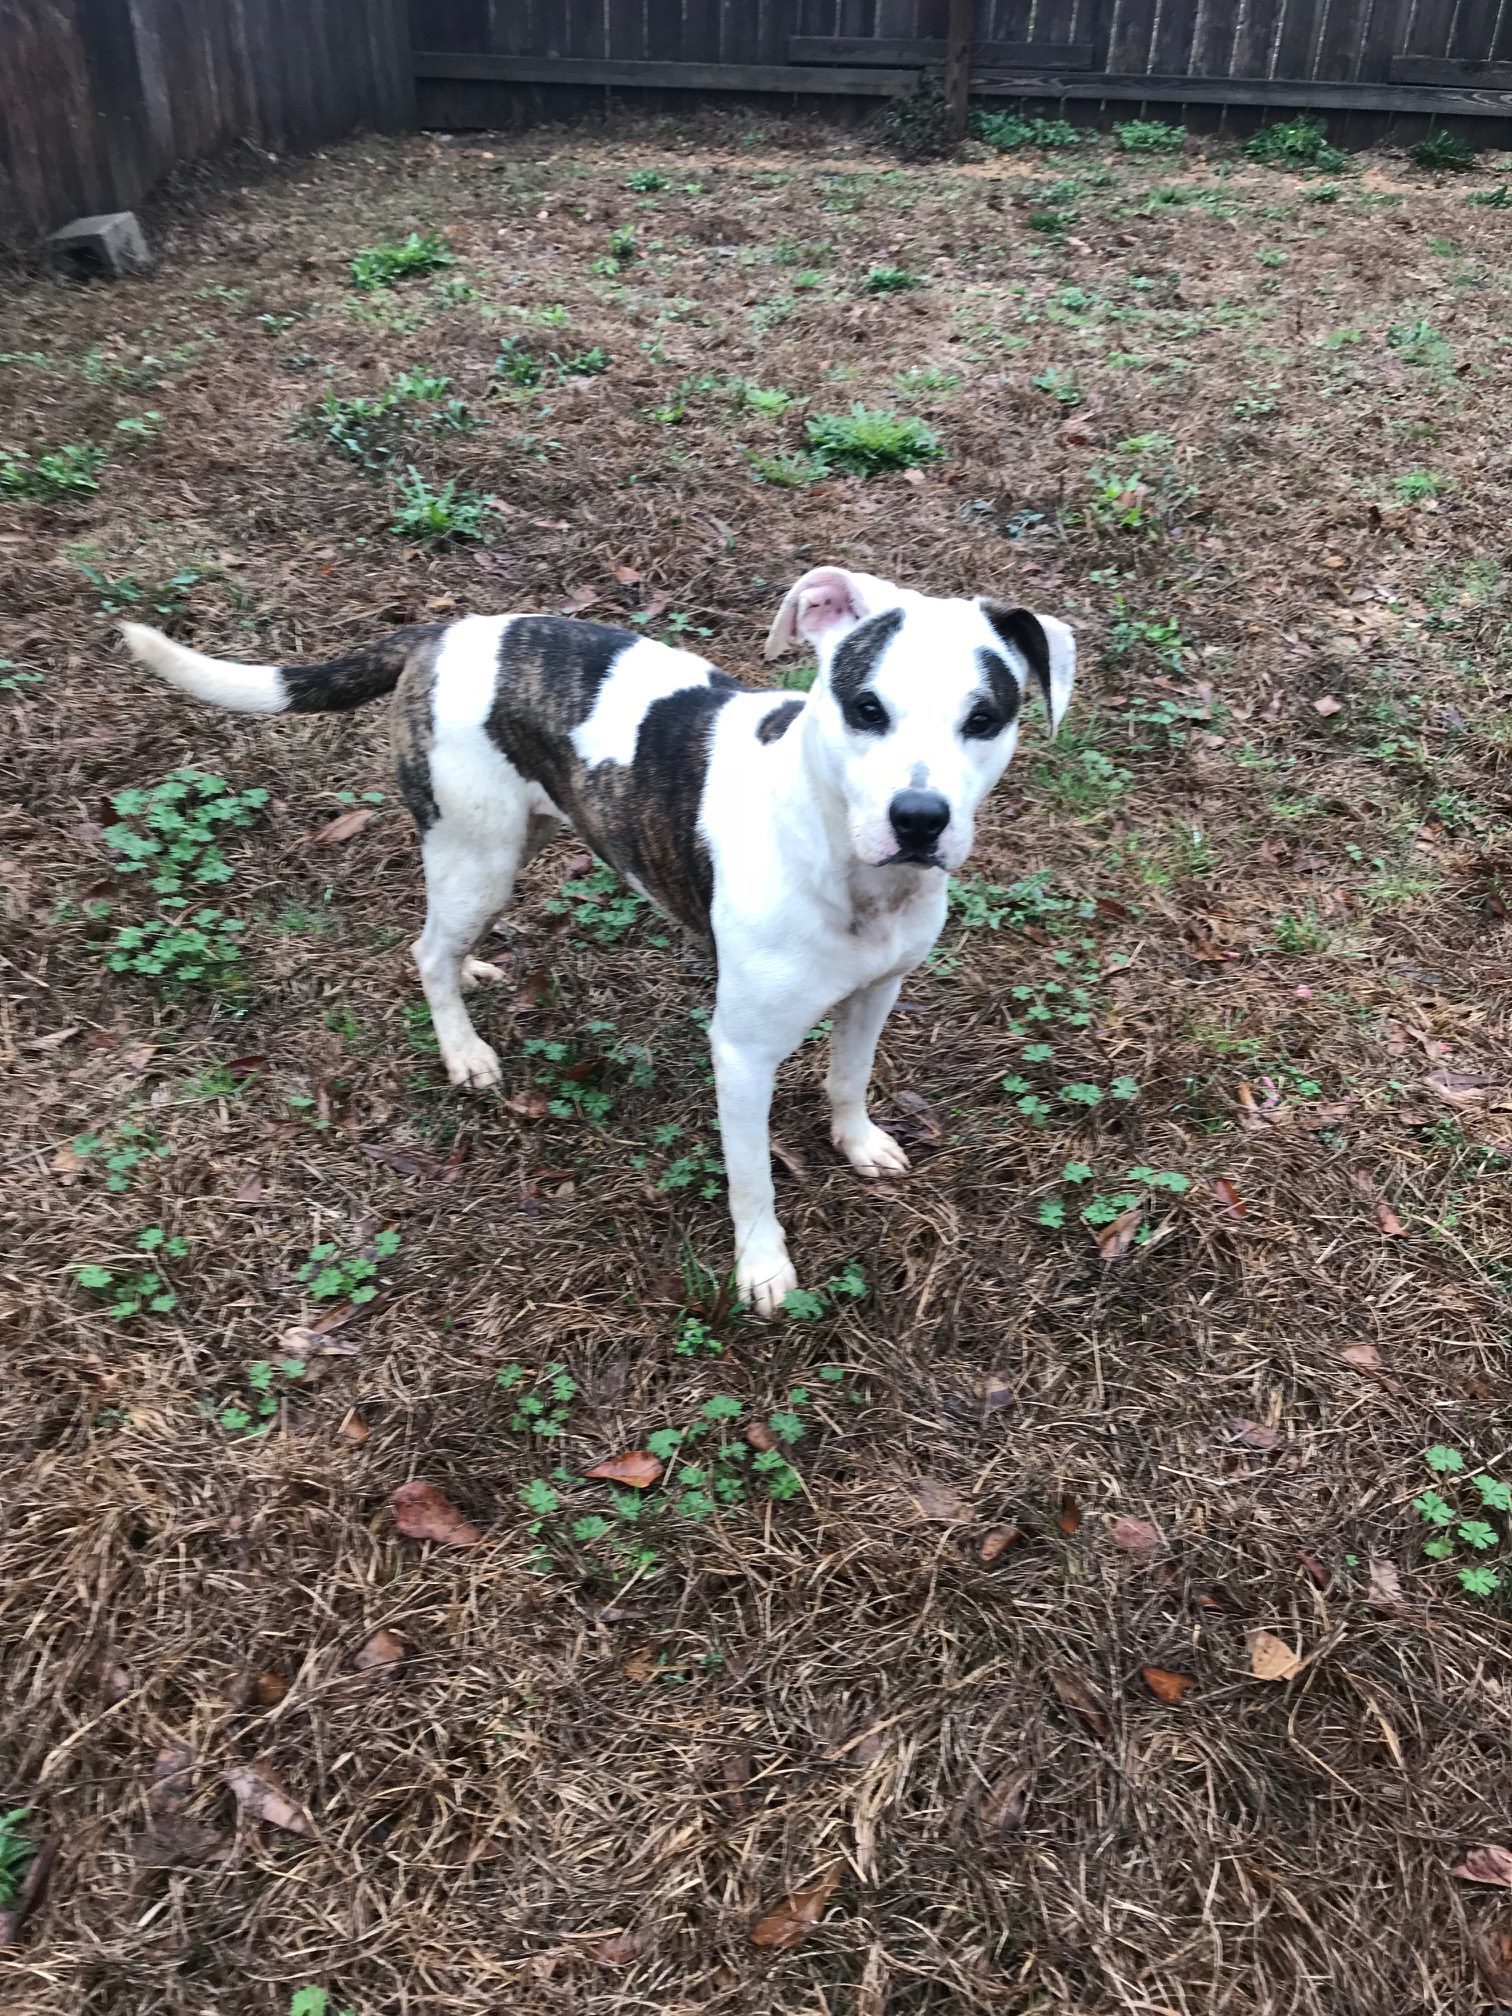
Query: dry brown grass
x,y
580,1790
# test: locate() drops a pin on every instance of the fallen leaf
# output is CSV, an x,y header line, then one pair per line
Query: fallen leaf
x,y
790,1159
259,1793
1493,1953
1328,705
1489,1863
1231,1203
637,1467
1006,1807
1255,1434
996,1543
344,826
1221,1601
1083,1700
29,1895
1384,1590
1069,1517
178,1841
1271,1658
1074,433
416,1162
249,1190
797,1914
922,1123
1365,1356
628,577
421,1512
172,1780
270,1688
55,1041
67,1164
354,1429
1460,1088
1388,1221
382,1649
940,1501
735,1774
529,1104
1135,1536
620,1949
1172,1688
641,1665
1316,1573
579,599
660,601
305,1341
759,1436
996,1391
915,476
1114,1240
535,988
1333,561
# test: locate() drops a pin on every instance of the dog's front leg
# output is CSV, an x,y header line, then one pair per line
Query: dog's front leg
x,y
853,1046
745,1068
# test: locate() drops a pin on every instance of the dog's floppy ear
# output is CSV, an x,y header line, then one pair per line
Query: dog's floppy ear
x,y
1046,646
824,598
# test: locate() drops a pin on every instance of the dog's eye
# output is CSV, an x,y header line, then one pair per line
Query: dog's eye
x,y
981,723
867,711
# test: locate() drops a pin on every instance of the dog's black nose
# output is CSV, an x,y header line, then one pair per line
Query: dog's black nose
x,y
918,818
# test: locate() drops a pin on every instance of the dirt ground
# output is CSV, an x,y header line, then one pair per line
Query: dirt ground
x,y
936,1659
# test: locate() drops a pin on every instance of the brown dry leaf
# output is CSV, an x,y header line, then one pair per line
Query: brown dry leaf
x,y
1172,1688
1493,1954
1328,704
382,1649
1389,1222
580,598
1231,1203
1075,432
759,1436
178,1841
1069,1517
940,1501
1271,1658
344,826
249,1190
922,1123
529,1104
1006,1806
1255,1434
996,1391
658,603
1316,1573
641,1665
1384,1591
1083,1700
1365,1356
1489,1863
172,1781
421,1512
270,1688
628,577
1135,1536
259,1793
637,1467
620,1949
315,1340
790,1159
67,1164
1114,1240
797,1914
996,1543
735,1774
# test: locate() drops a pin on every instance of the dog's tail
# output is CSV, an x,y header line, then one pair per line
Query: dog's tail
x,y
282,689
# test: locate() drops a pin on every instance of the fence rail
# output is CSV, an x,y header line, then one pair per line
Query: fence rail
x,y
1413,57
100,98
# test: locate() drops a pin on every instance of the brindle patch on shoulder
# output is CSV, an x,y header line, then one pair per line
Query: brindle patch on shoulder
x,y
343,683
413,730
776,724
856,660
641,817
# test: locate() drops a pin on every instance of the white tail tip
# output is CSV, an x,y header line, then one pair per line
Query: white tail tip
x,y
245,689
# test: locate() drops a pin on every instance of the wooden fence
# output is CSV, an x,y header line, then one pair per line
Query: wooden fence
x,y
99,98
1382,57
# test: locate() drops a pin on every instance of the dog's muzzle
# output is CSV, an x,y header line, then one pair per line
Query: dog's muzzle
x,y
918,818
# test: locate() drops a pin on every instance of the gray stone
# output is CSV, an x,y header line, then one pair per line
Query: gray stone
x,y
111,245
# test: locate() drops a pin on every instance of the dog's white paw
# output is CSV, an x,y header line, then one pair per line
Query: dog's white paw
x,y
765,1280
872,1154
475,1067
475,970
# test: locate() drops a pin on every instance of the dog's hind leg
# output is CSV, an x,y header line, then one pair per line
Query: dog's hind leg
x,y
853,1047
470,868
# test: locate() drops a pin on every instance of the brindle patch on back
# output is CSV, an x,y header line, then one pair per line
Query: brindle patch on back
x,y
773,726
413,730
641,817
342,683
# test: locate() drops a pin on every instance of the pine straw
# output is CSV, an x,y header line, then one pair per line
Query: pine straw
x,y
577,1795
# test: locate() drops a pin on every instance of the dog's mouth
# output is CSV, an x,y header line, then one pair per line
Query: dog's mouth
x,y
913,857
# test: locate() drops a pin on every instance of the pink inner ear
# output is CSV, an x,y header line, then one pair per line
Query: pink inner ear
x,y
824,605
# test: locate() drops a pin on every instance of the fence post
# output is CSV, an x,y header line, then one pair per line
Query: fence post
x,y
958,66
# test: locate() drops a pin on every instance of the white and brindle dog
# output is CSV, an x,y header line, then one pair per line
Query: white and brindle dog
x,y
809,840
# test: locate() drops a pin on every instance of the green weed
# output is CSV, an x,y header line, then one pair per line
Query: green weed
x,y
386,265
167,600
16,1854
1295,143
447,513
542,1406
645,181
52,474
1415,485
172,832
602,907
328,1276
787,468
866,440
15,678
122,1153
1451,1522
806,1305
1443,153
1499,198
891,280
1150,136
142,1289
1009,131
254,1413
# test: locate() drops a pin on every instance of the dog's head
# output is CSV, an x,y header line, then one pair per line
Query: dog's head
x,y
917,702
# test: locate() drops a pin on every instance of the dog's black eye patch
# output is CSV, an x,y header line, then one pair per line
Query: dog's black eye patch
x,y
867,714
991,712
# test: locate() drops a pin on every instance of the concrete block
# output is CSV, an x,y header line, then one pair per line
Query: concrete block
x,y
110,246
